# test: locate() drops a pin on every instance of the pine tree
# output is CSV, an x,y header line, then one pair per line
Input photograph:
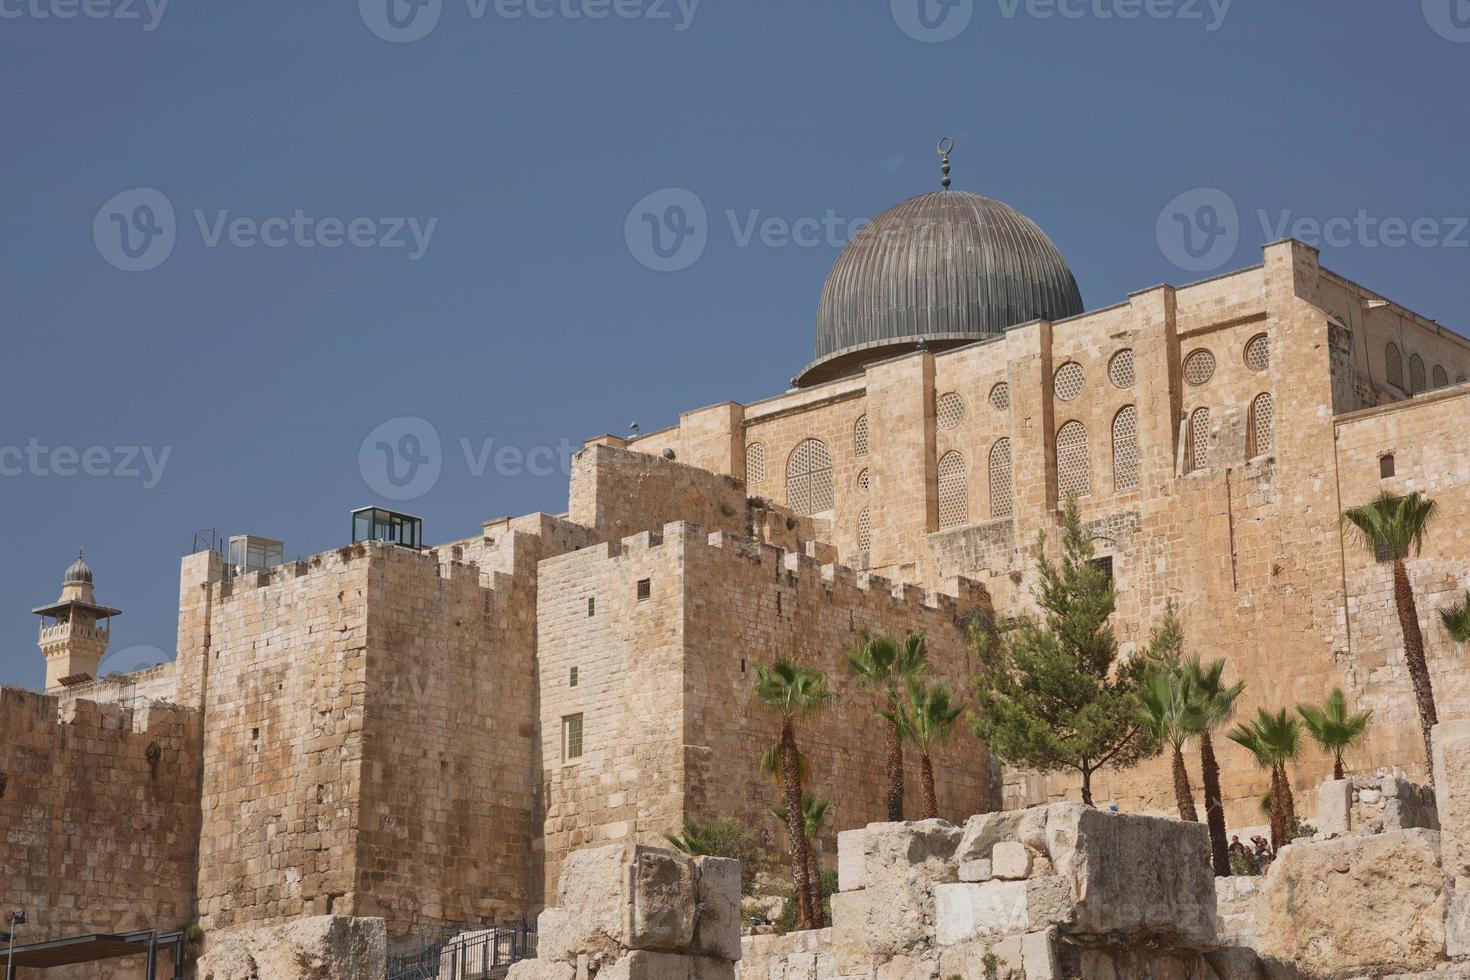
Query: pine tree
x,y
1052,694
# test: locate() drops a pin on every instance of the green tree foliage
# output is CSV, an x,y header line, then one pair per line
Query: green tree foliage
x,y
925,716
1456,620
1393,527
1334,727
1216,701
883,663
1274,740
728,838
1052,694
1171,715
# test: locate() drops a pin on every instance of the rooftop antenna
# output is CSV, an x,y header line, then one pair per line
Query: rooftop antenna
x,y
946,145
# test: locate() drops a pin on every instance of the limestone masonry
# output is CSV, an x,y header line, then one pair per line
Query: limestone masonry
x,y
436,736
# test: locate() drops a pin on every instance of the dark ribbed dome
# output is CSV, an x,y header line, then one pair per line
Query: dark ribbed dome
x,y
946,268
80,573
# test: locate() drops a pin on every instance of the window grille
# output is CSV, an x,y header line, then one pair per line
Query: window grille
x,y
1120,369
954,494
860,436
645,589
1416,374
571,738
1000,478
1068,381
1125,448
1385,466
1198,455
1073,479
592,605
1199,367
572,678
862,480
809,478
755,462
1395,364
1000,397
1261,437
1441,377
951,410
1258,353
864,531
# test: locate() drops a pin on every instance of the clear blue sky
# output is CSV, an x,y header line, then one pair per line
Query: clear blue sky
x,y
528,319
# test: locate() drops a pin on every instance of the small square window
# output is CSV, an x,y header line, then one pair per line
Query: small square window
x,y
1106,564
571,738
572,678
592,605
1385,466
645,588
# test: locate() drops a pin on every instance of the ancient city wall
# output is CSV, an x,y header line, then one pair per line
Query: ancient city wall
x,y
99,812
619,493
670,727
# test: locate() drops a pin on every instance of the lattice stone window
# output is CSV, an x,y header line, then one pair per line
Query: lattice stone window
x,y
1395,364
1000,478
1120,369
1258,353
951,410
865,531
1197,454
1125,448
860,436
1000,397
862,480
1068,381
1073,479
1441,376
809,478
1199,367
1416,374
755,462
571,738
954,492
1261,434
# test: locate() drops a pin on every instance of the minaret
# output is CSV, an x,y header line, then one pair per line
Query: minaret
x,y
74,629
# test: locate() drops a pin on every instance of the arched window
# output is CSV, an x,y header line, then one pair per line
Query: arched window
x,y
1441,376
1416,374
862,480
860,436
755,462
1000,397
809,478
1197,452
864,531
1000,478
1260,433
1073,479
1394,364
1125,448
954,493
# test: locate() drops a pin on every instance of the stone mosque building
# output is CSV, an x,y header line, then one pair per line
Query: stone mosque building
x,y
424,733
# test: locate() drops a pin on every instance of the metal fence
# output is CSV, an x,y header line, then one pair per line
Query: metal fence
x,y
463,953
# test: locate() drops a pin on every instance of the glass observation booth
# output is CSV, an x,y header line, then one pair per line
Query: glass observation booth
x,y
379,524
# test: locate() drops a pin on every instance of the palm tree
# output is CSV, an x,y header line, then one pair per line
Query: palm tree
x,y
1216,703
926,719
1169,713
1392,527
813,814
1456,620
771,764
793,692
881,663
693,841
1274,740
1335,728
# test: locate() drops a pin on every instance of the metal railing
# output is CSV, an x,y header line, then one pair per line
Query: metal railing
x,y
463,953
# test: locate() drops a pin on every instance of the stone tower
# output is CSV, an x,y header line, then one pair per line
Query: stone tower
x,y
74,629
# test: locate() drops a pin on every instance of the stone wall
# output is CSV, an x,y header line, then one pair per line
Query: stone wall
x,y
663,685
99,815
619,493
